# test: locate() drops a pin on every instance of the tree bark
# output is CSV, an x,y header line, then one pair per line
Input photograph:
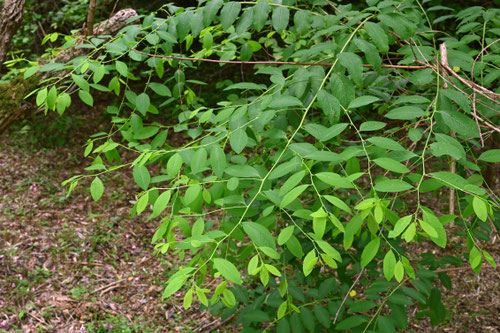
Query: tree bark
x,y
14,107
11,17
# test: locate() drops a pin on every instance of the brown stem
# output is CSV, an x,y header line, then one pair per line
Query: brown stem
x,y
91,17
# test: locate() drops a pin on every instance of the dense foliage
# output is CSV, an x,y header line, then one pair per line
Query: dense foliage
x,y
337,138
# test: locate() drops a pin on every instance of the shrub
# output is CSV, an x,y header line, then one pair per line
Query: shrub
x,y
337,139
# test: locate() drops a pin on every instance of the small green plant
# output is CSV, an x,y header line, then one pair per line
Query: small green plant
x,y
359,132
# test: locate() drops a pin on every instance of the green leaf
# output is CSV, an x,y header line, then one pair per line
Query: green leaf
x,y
242,171
285,235
252,265
413,99
335,221
210,10
161,203
246,86
389,265
291,182
350,322
378,35
41,96
273,270
233,183
292,195
86,97
146,132
371,53
405,113
454,180
462,100
199,160
492,156
160,89
391,165
475,257
386,143
446,145
295,247
361,306
354,65
489,258
330,105
428,229
51,98
192,193
260,14
285,101
399,271
429,218
386,325
80,82
63,102
188,299
31,71
370,251
362,101
142,102
121,68
174,164
227,270
319,225
142,176
310,261
238,140
480,208
400,226
229,13
329,250
323,315
284,169
392,185
368,126
338,203
218,160
280,18
334,179
142,203
259,234
323,133
174,284
96,189
99,73
460,123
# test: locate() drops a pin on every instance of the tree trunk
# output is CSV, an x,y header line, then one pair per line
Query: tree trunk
x,y
11,16
90,17
13,106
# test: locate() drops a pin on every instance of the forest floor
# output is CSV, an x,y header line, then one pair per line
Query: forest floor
x,y
68,264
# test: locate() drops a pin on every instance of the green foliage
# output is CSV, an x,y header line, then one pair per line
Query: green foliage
x,y
322,177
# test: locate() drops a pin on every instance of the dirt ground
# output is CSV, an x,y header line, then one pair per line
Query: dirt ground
x,y
72,265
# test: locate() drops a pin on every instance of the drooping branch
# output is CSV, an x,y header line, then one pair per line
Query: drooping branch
x,y
12,104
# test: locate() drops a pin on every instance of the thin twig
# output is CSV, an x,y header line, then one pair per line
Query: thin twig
x,y
347,294
453,269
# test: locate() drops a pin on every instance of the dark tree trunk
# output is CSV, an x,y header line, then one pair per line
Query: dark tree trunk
x,y
11,17
13,106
